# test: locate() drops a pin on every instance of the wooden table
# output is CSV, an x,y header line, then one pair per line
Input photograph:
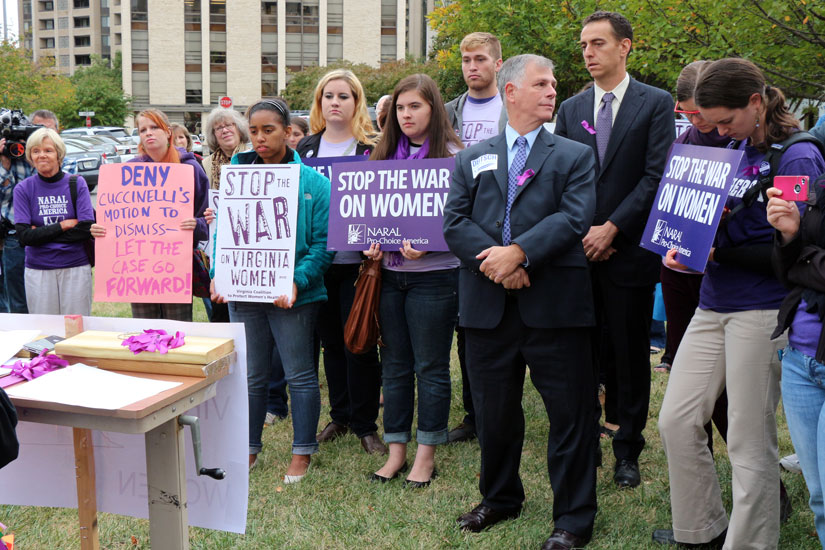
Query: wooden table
x,y
157,418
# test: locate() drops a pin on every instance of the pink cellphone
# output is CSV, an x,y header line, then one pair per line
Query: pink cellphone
x,y
794,188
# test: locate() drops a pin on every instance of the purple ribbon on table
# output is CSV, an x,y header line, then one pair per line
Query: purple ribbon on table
x,y
525,176
38,366
590,129
154,340
751,170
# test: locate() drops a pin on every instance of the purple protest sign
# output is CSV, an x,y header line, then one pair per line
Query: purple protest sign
x,y
389,201
324,165
690,201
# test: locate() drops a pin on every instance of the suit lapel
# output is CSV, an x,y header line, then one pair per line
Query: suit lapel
x,y
631,103
542,148
584,111
499,147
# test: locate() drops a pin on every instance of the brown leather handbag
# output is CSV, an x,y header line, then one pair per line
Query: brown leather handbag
x,y
361,331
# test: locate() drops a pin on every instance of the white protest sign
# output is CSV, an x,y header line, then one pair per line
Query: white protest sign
x,y
257,221
208,245
44,473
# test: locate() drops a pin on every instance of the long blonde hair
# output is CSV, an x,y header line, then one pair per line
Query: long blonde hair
x,y
360,125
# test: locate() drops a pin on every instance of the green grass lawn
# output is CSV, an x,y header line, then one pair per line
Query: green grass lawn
x,y
336,507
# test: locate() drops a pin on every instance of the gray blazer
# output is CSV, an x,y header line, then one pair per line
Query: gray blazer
x,y
550,215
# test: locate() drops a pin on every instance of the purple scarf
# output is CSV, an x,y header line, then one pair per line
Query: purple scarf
x,y
402,151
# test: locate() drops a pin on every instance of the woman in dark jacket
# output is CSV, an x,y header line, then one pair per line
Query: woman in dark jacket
x,y
799,262
341,127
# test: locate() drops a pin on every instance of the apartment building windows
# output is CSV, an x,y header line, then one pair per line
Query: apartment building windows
x,y
140,11
47,24
82,41
81,22
81,4
389,28
47,42
83,60
302,20
335,30
47,6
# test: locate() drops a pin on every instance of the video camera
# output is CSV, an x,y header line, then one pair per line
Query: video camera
x,y
16,128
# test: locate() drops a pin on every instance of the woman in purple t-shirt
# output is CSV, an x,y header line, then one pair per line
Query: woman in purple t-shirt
x,y
53,227
419,296
728,342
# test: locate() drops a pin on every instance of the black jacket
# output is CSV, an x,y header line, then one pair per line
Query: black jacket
x,y
309,145
800,265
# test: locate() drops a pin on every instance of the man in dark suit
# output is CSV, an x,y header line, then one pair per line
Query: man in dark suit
x,y
519,205
629,126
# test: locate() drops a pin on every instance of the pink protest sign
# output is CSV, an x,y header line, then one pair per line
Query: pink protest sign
x,y
145,256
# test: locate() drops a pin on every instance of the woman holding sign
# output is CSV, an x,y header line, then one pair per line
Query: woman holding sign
x,y
156,145
419,296
728,342
54,212
341,127
289,323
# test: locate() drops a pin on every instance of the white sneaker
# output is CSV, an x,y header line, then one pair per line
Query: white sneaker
x,y
270,419
791,464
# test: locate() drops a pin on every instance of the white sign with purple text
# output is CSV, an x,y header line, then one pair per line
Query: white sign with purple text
x,y
257,218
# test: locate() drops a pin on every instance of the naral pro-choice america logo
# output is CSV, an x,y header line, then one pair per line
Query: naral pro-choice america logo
x,y
357,233
666,236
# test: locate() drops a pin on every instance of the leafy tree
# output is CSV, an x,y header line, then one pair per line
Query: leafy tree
x,y
98,88
786,38
376,81
29,86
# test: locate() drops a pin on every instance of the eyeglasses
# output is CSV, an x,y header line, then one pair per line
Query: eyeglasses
x,y
220,129
688,114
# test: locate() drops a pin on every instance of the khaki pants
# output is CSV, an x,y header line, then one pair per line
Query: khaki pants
x,y
720,349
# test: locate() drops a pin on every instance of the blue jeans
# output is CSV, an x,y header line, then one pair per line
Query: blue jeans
x,y
277,398
14,260
291,330
803,396
418,313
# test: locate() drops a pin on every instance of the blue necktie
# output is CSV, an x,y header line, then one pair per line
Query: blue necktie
x,y
519,160
604,124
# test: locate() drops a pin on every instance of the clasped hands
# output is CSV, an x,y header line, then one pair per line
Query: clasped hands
x,y
503,265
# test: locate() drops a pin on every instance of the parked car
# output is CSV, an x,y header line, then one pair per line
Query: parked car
x,y
197,144
107,148
123,149
87,161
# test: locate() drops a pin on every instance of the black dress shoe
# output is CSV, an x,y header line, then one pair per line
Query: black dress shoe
x,y
562,540
421,484
481,517
665,536
330,432
381,479
627,473
462,432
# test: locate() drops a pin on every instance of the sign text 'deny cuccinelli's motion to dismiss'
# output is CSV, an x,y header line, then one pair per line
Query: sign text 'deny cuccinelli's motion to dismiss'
x,y
389,201
145,257
690,201
257,216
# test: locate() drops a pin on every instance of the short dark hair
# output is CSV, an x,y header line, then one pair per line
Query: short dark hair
x,y
274,104
621,26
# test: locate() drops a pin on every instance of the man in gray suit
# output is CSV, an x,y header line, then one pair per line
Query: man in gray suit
x,y
519,205
630,127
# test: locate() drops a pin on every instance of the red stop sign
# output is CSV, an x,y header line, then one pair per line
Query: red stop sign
x,y
225,102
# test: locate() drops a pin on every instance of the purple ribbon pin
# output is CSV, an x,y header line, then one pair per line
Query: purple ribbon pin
x,y
154,340
525,176
590,129
38,366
